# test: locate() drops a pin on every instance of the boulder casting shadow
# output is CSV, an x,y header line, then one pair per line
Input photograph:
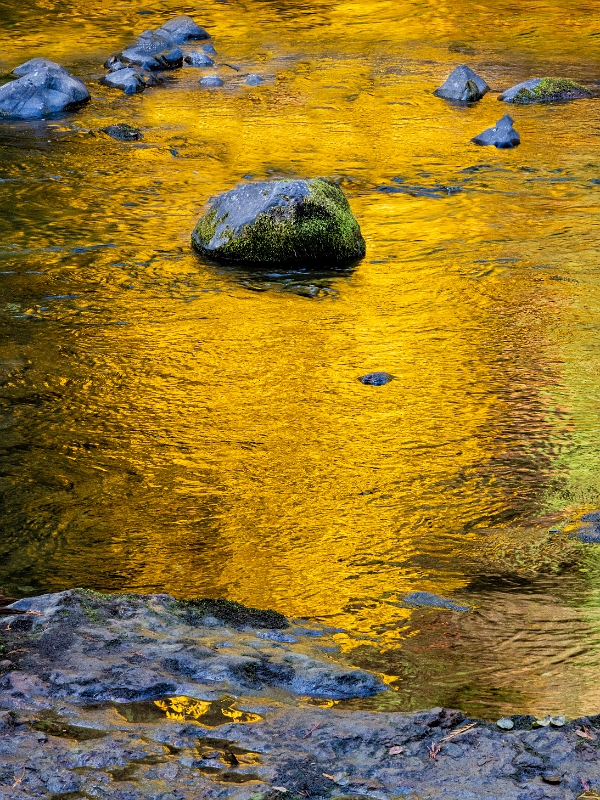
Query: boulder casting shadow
x,y
300,222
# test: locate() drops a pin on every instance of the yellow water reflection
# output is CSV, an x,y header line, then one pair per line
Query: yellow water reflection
x,y
171,425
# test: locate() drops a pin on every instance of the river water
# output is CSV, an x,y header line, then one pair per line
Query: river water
x,y
171,425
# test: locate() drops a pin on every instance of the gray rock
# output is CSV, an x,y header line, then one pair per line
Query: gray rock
x,y
198,59
299,221
181,29
502,135
463,85
127,80
116,65
211,82
153,52
589,532
37,63
253,79
419,599
208,48
544,90
41,93
376,378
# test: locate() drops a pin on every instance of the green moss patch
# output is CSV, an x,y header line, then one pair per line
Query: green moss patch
x,y
231,613
552,90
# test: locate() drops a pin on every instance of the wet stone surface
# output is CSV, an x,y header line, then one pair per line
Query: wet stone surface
x,y
128,697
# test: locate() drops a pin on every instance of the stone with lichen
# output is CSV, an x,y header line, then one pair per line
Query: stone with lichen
x,y
545,90
299,221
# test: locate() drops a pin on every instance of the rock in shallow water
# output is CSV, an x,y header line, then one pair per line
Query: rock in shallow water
x,y
123,132
544,90
376,378
181,29
502,135
253,79
211,82
300,221
37,63
41,91
463,85
128,80
153,52
198,60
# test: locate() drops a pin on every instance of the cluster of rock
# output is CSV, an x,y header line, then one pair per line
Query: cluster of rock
x,y
127,697
465,86
41,88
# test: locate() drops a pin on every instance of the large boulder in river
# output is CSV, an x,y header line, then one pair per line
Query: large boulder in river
x,y
41,92
181,29
295,221
545,90
37,63
463,86
502,135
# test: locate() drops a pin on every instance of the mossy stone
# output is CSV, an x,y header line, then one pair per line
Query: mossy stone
x,y
231,613
299,221
545,90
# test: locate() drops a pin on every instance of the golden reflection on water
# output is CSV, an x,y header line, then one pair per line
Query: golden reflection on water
x,y
167,428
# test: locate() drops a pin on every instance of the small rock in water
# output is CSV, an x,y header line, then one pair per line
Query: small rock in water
x,y
376,378
37,63
461,47
181,29
428,599
198,60
506,724
463,85
123,132
128,80
208,48
541,722
502,135
41,91
558,722
253,79
153,52
211,81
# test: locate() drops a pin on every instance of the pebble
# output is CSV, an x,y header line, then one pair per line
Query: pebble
x,y
506,724
211,81
376,378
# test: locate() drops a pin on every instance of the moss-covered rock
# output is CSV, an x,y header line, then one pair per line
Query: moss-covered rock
x,y
280,221
545,90
231,613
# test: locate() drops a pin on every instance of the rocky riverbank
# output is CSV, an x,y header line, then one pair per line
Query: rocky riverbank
x,y
130,697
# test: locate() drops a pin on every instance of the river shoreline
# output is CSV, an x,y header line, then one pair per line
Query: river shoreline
x,y
131,696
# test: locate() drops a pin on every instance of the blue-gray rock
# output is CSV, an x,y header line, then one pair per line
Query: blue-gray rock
x,y
253,79
299,221
127,80
376,378
502,135
463,85
211,82
198,59
37,63
181,29
153,52
590,530
208,48
41,93
509,95
428,599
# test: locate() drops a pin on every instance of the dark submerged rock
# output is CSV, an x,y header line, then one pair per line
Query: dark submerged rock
x,y
231,613
502,135
211,82
128,80
198,59
254,79
545,90
181,29
280,221
42,92
463,85
376,378
123,132
430,600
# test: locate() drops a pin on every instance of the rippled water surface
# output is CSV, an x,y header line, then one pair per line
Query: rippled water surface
x,y
171,425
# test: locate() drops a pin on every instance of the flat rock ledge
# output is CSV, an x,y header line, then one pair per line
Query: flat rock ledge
x,y
127,696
